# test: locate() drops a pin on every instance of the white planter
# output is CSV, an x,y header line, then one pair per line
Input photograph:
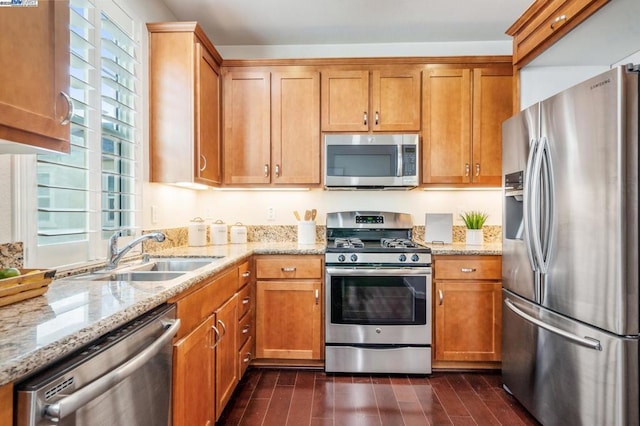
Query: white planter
x,y
475,237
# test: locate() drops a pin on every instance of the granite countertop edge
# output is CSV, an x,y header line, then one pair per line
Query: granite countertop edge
x,y
21,354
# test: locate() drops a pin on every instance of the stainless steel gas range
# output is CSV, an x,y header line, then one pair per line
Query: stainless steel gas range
x,y
378,295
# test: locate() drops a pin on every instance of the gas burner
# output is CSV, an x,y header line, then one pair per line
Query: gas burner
x,y
397,243
348,243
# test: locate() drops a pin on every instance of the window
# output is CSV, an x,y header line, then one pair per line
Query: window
x,y
86,196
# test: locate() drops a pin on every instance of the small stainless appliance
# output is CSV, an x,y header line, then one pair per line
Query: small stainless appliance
x,y
570,254
123,378
378,295
365,161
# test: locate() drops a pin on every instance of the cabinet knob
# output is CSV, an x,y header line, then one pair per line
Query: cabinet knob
x,y
440,297
557,21
477,169
266,170
277,170
246,300
365,120
246,329
247,357
317,296
467,168
377,118
246,274
204,163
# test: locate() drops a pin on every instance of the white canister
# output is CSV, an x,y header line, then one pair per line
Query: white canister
x,y
307,232
238,234
197,232
218,233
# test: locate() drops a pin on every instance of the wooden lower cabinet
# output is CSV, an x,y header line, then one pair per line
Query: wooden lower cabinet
x,y
226,353
289,307
467,309
193,390
6,404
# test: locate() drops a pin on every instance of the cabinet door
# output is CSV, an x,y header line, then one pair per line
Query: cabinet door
x,y
34,70
345,101
446,152
226,353
468,321
295,128
288,319
247,127
395,100
208,167
193,380
492,104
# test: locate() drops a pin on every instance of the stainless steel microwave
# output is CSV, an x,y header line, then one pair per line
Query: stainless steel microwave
x,y
366,161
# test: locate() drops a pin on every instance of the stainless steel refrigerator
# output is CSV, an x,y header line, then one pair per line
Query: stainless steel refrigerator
x,y
570,323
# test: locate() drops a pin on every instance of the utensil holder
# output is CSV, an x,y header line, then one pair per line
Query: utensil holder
x,y
307,232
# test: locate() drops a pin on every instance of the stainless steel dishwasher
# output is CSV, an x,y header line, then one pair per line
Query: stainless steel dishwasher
x,y
122,378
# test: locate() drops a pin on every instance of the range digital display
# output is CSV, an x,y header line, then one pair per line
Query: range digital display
x,y
369,219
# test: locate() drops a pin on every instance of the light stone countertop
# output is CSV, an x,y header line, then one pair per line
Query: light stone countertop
x,y
76,311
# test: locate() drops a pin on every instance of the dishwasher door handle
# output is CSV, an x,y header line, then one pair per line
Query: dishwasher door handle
x,y
73,402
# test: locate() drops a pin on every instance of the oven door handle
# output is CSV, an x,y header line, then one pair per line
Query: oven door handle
x,y
70,404
370,271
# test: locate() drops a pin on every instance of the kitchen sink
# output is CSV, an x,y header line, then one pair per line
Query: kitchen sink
x,y
183,264
140,276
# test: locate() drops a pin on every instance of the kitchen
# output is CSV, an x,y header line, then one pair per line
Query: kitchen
x,y
175,207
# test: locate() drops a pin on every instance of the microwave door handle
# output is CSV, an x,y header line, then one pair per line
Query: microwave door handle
x,y
399,171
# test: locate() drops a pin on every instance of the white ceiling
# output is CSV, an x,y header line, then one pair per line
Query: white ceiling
x,y
305,22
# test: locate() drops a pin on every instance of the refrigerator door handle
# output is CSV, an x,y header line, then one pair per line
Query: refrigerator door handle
x,y
587,342
526,204
550,201
536,208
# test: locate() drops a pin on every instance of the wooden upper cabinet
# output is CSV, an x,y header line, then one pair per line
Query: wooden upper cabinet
x,y
271,127
380,100
544,23
295,127
463,111
184,105
247,127
35,107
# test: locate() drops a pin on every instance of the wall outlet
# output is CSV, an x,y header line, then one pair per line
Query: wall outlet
x,y
271,213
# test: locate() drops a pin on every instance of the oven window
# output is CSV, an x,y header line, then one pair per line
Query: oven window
x,y
362,161
378,300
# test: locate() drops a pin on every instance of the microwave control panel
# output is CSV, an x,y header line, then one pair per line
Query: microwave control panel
x,y
409,160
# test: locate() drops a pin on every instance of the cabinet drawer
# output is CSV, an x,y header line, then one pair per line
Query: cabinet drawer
x,y
196,306
245,301
245,329
289,267
245,356
244,271
468,268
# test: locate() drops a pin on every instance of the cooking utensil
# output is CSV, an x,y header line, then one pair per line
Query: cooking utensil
x,y
307,215
314,212
297,215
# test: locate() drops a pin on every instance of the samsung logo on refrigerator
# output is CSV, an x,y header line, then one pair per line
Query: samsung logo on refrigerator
x,y
600,84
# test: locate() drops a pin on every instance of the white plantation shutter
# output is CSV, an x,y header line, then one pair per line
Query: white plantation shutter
x,y
83,197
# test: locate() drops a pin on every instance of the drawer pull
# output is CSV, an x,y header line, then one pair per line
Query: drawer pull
x,y
468,270
246,329
440,297
247,357
246,274
224,328
246,300
289,269
317,296
557,21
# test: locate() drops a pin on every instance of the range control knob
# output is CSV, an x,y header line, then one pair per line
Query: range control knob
x,y
402,258
415,258
354,257
341,258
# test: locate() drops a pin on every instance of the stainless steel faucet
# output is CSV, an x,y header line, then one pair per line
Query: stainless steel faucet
x,y
114,254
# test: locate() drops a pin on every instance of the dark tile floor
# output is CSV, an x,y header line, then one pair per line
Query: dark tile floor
x,y
307,397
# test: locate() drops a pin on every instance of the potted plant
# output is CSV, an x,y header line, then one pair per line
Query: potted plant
x,y
474,221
